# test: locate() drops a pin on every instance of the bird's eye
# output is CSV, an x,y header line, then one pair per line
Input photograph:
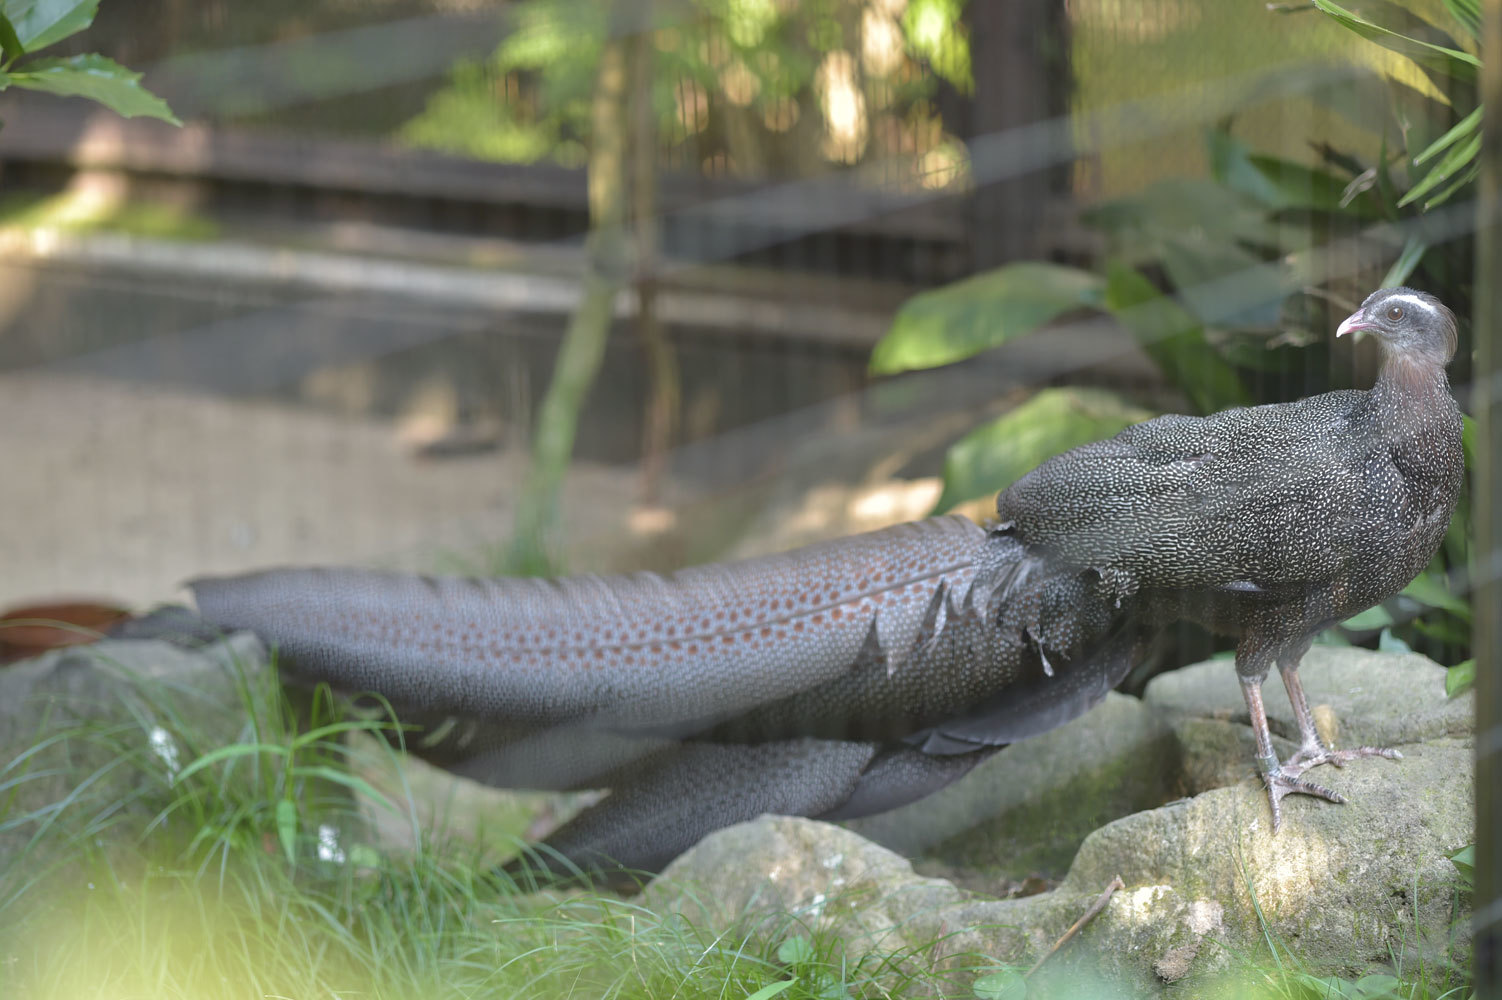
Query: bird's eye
x,y
1395,313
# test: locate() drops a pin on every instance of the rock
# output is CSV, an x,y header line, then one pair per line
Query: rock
x,y
1359,698
123,709
1346,888
1027,809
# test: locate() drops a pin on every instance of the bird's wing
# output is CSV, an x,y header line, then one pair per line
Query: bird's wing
x,y
1251,497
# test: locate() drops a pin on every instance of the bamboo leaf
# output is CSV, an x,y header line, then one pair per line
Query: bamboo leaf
x,y
960,320
1455,161
995,455
1440,59
1468,13
1413,252
1465,126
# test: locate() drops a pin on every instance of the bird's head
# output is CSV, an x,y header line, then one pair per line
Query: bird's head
x,y
1409,324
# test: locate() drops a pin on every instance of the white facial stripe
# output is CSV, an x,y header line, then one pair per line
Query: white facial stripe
x,y
1411,302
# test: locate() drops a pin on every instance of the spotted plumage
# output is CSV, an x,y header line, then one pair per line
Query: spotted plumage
x,y
853,676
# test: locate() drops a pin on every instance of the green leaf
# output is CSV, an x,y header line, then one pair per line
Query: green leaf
x,y
1464,861
1007,984
96,78
1369,620
286,827
229,752
1437,59
797,950
1469,174
10,44
1174,340
1470,123
995,455
47,21
1389,643
1460,678
1468,13
960,320
1413,252
770,990
1454,162
1429,589
1276,183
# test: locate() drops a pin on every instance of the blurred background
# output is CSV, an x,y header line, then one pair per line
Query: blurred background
x,y
454,285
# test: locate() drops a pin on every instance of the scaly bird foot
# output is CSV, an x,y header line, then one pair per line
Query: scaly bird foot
x,y
1284,780
1316,753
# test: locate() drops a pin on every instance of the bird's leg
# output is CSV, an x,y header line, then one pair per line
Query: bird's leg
x,y
1251,670
1312,750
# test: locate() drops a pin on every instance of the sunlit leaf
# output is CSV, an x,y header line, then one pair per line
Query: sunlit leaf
x,y
960,320
97,78
1460,678
1439,59
995,455
936,30
1174,340
43,22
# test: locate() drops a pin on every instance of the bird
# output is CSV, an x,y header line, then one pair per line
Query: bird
x,y
853,676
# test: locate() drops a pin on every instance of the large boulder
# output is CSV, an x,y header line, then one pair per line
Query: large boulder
x,y
1347,888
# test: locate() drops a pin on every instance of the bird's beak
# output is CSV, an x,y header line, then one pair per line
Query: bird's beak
x,y
1352,324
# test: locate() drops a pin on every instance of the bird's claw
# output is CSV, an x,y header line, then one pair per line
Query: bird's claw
x,y
1285,780
1316,754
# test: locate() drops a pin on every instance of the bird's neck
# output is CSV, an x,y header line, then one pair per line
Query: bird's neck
x,y
1412,397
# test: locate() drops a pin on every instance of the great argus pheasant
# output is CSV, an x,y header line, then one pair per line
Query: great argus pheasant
x,y
853,676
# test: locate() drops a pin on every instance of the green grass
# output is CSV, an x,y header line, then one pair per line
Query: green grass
x,y
205,881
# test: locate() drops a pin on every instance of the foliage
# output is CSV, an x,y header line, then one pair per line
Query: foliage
x,y
1231,282
747,86
29,25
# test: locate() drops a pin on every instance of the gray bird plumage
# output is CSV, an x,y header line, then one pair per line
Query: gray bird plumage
x,y
856,675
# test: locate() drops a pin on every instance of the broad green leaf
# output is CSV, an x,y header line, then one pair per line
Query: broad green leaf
x,y
96,78
963,319
1277,183
10,44
1460,678
1007,984
43,22
1174,340
1439,59
1470,123
995,455
1224,285
771,990
286,827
